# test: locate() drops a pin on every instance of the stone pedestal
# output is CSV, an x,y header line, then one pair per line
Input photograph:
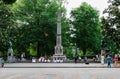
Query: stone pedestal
x,y
10,57
59,58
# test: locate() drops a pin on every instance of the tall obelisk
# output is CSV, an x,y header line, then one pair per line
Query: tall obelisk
x,y
59,48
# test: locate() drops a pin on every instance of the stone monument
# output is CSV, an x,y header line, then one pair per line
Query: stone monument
x,y
10,57
59,48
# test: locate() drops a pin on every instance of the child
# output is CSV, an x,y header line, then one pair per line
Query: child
x,y
0,62
3,62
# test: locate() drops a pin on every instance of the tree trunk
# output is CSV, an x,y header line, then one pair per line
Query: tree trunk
x,y
84,51
38,49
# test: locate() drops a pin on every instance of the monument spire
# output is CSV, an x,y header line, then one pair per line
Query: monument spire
x,y
59,48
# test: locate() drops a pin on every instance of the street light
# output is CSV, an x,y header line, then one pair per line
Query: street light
x,y
103,45
76,49
76,52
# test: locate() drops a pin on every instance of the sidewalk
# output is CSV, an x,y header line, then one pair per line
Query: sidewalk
x,y
29,71
55,65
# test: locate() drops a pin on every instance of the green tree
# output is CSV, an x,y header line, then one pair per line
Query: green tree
x,y
85,28
111,24
5,26
37,21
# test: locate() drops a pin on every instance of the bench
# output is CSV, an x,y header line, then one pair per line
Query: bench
x,y
118,64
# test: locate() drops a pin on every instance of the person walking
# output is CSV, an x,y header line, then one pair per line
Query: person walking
x,y
102,59
115,59
3,61
0,62
109,59
75,58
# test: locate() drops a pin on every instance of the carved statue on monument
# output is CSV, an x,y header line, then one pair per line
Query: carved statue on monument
x,y
58,50
10,52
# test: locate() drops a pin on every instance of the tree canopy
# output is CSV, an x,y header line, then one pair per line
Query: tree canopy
x,y
5,25
36,22
85,28
111,24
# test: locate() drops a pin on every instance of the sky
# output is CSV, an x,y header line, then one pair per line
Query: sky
x,y
98,4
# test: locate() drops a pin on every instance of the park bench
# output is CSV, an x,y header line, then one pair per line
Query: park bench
x,y
118,63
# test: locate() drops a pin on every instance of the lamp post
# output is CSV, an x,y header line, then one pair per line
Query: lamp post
x,y
76,53
103,45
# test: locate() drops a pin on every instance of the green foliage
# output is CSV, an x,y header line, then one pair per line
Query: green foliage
x,y
69,52
8,1
111,25
36,22
5,25
33,50
85,28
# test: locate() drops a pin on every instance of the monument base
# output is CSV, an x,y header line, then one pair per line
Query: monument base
x,y
11,59
59,58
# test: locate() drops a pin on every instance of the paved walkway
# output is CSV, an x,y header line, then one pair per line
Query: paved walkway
x,y
55,65
59,73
